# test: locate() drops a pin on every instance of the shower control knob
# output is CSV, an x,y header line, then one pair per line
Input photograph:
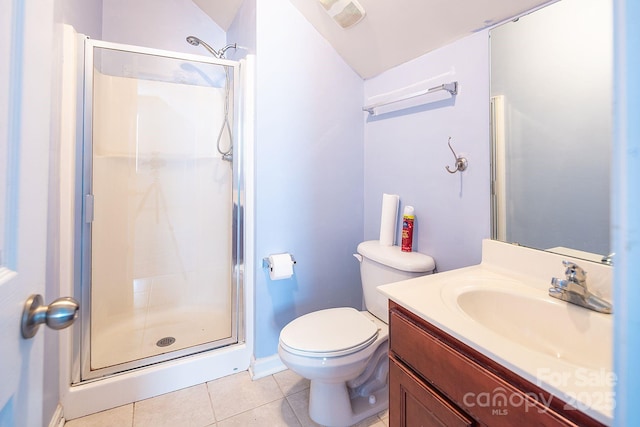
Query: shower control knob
x,y
57,315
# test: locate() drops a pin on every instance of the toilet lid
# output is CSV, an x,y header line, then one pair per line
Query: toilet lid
x,y
329,333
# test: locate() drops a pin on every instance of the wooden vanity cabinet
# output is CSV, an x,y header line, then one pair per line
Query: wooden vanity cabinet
x,y
412,402
436,380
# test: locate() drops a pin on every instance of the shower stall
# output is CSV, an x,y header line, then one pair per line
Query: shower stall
x,y
161,201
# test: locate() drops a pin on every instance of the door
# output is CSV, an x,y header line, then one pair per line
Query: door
x,y
158,187
25,96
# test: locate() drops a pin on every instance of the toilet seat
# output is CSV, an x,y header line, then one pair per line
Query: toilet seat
x,y
332,332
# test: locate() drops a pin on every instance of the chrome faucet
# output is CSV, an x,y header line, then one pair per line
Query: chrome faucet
x,y
574,289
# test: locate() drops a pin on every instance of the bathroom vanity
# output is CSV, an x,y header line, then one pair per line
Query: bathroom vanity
x,y
435,379
487,345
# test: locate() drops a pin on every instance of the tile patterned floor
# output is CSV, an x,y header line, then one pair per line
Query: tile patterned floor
x,y
277,400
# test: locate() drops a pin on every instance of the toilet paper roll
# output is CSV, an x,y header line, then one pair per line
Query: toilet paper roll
x,y
389,219
281,266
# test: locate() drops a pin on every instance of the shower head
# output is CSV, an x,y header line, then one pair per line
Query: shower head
x,y
194,41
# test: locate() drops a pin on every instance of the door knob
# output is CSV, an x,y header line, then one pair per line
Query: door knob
x,y
57,315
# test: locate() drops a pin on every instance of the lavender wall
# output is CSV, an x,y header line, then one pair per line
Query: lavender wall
x,y
148,23
626,210
161,25
309,171
321,168
242,31
84,15
450,223
405,153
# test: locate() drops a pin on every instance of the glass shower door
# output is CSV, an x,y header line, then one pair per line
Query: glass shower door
x,y
159,207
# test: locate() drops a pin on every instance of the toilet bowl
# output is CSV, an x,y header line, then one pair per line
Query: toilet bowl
x,y
343,351
335,369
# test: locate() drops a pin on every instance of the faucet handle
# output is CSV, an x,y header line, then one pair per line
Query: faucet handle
x,y
575,273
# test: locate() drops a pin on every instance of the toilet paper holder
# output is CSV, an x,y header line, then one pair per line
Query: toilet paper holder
x,y
267,264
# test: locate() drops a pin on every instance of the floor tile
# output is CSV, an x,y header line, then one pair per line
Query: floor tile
x,y
121,416
384,416
237,393
189,407
274,414
300,404
373,421
281,399
290,382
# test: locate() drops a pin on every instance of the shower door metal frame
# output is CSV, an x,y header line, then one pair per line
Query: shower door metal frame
x,y
81,369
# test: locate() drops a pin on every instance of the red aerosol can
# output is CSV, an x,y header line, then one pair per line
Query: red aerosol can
x,y
407,229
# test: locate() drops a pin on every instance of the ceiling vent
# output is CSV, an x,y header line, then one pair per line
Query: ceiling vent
x,y
346,13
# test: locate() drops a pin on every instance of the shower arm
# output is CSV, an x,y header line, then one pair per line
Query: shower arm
x,y
222,51
195,41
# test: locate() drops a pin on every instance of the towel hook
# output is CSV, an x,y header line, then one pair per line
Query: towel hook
x,y
461,162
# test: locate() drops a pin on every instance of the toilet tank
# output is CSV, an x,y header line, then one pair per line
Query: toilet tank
x,y
380,265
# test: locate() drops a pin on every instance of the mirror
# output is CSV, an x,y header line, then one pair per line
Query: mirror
x,y
551,107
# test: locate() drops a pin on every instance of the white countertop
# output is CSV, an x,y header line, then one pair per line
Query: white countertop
x,y
574,364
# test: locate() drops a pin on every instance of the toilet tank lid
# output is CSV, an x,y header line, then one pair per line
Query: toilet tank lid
x,y
392,256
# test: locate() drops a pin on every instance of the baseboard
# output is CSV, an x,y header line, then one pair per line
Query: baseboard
x,y
57,419
265,366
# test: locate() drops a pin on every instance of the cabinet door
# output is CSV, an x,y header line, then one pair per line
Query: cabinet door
x,y
413,403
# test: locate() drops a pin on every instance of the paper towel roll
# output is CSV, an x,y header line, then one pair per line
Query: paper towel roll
x,y
280,266
389,219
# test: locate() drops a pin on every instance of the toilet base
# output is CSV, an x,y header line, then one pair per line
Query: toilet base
x,y
330,404
347,389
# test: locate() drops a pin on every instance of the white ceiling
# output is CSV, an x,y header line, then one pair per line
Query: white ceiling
x,y
221,11
393,31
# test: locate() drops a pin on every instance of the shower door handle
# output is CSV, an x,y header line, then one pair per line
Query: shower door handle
x,y
60,314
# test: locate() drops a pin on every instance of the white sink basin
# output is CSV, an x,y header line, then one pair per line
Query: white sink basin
x,y
539,322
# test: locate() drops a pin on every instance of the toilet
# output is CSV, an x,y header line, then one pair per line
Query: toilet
x,y
343,351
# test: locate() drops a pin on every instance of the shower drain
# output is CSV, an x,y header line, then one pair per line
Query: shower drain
x,y
165,342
